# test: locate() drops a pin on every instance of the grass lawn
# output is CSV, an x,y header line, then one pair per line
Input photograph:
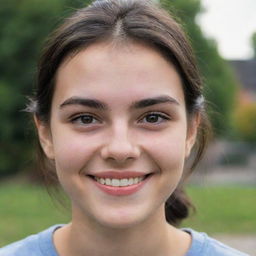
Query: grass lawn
x,y
223,209
27,209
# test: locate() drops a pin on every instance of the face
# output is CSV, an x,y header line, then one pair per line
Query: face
x,y
118,133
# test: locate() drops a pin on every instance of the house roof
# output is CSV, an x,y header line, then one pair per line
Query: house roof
x,y
246,73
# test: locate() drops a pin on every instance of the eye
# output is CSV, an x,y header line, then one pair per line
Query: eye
x,y
155,118
84,119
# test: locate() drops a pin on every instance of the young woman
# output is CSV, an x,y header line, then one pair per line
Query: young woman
x,y
118,110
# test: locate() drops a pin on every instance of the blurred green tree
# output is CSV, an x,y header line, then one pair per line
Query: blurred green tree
x,y
25,25
253,40
246,122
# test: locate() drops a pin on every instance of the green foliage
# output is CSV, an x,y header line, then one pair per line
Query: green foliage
x,y
245,120
25,25
253,40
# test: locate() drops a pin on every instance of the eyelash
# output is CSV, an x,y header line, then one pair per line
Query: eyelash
x,y
158,115
78,118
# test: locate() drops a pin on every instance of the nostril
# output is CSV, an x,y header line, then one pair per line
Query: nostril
x,y
119,154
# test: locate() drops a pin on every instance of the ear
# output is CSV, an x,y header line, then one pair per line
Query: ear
x,y
192,129
45,138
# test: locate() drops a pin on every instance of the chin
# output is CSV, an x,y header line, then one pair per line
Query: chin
x,y
121,224
122,219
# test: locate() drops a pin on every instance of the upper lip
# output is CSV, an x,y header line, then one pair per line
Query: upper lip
x,y
118,174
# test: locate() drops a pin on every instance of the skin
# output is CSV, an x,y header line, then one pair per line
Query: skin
x,y
118,138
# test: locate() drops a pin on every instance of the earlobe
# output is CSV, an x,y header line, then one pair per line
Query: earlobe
x,y
45,138
192,133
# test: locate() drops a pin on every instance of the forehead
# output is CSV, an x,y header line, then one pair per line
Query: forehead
x,y
110,69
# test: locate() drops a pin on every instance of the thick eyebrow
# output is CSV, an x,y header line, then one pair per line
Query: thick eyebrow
x,y
153,101
92,103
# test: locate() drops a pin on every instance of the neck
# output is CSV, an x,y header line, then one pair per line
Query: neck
x,y
152,238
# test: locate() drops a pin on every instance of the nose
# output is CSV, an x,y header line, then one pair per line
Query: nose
x,y
120,147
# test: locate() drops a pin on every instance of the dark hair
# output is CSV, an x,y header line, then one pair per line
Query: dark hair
x,y
122,20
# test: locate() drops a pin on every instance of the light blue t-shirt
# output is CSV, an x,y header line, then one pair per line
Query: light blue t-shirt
x,y
41,244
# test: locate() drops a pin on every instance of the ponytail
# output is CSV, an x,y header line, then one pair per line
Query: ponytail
x,y
177,207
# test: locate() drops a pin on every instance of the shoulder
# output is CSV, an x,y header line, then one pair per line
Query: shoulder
x,y
37,245
202,244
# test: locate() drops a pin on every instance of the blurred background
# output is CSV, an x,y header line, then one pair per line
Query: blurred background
x,y
223,35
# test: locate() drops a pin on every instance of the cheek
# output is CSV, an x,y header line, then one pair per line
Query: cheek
x,y
170,160
169,156
168,150
72,152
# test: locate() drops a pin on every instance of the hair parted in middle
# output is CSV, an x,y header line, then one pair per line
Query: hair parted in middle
x,y
122,22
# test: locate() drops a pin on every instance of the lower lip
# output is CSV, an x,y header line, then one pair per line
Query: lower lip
x,y
122,191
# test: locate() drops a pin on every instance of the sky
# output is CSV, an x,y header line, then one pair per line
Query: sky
x,y
231,23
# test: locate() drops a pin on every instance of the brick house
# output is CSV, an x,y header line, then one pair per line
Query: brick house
x,y
245,71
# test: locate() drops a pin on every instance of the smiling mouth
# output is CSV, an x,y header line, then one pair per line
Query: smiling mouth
x,y
125,182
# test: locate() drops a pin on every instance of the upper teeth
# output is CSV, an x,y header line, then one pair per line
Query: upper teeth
x,y
119,182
